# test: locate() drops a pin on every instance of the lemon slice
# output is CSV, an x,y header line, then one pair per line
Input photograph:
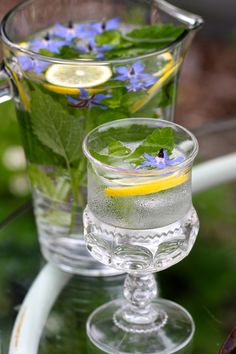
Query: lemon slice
x,y
70,90
77,76
164,74
147,188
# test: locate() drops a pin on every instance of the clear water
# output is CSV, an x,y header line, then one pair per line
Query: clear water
x,y
140,211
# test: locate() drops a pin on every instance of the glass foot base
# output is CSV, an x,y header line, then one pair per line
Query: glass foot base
x,y
71,255
171,337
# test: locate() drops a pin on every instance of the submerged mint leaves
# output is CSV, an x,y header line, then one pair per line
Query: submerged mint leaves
x,y
117,149
153,152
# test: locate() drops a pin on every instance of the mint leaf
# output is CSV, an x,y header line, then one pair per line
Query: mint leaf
x,y
131,97
144,40
132,51
40,180
62,188
55,128
103,158
117,149
35,151
115,100
160,138
112,84
111,37
158,33
167,95
110,115
67,52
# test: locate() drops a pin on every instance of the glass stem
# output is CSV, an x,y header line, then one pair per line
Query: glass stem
x,y
140,290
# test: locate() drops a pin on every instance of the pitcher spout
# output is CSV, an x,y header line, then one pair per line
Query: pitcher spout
x,y
190,20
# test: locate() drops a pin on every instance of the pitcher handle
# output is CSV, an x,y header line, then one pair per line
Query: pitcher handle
x,y
5,87
191,20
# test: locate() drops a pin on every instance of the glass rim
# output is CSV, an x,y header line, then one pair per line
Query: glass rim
x,y
6,40
144,173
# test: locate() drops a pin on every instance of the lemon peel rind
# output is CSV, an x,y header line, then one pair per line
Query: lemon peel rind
x,y
70,90
147,188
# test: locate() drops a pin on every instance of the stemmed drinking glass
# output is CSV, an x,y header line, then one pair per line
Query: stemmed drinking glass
x,y
140,219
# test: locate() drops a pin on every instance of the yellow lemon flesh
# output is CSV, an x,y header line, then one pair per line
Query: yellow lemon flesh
x,y
67,79
147,188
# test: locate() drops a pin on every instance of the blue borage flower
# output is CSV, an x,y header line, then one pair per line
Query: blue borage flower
x,y
135,77
73,31
86,100
161,161
100,27
84,30
28,63
53,45
93,48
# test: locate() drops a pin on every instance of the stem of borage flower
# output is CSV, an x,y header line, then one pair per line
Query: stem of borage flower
x,y
78,198
75,196
77,176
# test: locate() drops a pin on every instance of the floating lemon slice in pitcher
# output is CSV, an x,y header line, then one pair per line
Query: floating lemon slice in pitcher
x,y
151,187
66,79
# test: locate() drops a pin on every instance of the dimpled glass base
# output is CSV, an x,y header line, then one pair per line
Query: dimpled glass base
x,y
140,250
169,336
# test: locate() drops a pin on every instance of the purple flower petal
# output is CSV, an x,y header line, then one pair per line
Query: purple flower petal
x,y
120,78
72,31
148,83
138,67
160,160
53,45
149,158
122,70
100,96
161,164
25,62
86,100
146,164
72,99
83,94
39,66
175,161
135,86
112,23
136,79
100,27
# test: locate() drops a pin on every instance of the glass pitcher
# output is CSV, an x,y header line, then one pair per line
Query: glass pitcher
x,y
60,98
